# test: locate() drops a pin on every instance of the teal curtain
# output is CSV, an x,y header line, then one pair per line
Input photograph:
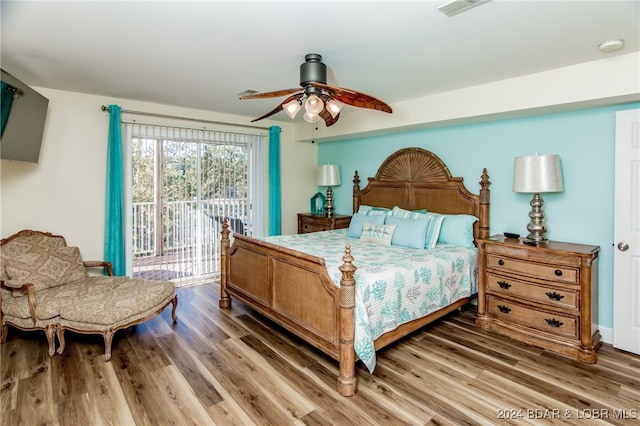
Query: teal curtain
x,y
114,247
6,94
275,219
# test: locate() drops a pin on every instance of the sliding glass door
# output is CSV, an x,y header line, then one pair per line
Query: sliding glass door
x,y
184,183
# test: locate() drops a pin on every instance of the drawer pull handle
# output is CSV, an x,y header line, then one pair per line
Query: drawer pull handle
x,y
501,262
554,295
504,309
558,273
553,322
503,284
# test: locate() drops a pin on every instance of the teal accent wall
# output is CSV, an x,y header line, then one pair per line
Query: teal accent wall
x,y
584,139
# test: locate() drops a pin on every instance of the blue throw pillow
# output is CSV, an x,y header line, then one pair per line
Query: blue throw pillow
x,y
457,229
357,221
434,229
409,232
371,210
408,214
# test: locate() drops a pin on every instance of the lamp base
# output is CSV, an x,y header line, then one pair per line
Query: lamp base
x,y
328,206
537,229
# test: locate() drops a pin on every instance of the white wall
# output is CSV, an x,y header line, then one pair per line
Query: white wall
x,y
65,192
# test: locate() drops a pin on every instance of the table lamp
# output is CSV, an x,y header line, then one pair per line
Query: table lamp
x,y
329,175
537,174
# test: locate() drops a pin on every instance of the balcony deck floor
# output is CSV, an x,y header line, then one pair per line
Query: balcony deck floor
x,y
175,267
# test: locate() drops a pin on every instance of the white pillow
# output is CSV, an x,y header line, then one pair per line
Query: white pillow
x,y
377,233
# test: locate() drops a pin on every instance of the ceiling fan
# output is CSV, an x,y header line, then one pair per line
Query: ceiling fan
x,y
320,100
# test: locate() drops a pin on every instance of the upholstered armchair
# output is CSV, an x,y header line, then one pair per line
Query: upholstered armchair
x,y
44,285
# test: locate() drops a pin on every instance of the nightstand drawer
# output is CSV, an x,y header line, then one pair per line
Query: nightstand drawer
x,y
316,223
314,227
546,321
560,297
531,269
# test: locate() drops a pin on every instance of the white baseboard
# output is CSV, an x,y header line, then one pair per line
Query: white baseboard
x,y
607,334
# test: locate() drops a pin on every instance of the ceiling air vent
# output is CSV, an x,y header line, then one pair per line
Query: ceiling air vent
x,y
456,6
247,92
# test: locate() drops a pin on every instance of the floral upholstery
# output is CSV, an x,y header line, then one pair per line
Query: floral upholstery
x,y
42,261
111,301
61,295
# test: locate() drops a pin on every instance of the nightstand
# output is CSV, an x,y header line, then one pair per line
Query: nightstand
x,y
308,222
544,295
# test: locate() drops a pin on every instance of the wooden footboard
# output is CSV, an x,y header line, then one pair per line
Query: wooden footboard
x,y
294,290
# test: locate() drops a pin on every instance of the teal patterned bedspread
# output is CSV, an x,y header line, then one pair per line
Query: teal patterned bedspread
x,y
394,284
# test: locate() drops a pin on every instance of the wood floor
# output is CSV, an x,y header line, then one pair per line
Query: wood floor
x,y
236,368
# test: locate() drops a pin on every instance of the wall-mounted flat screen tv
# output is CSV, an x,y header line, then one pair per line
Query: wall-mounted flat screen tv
x,y
24,112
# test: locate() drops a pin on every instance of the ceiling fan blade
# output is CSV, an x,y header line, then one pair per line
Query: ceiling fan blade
x,y
356,99
279,107
275,94
329,120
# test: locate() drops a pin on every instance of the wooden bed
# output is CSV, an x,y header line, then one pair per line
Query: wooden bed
x,y
294,289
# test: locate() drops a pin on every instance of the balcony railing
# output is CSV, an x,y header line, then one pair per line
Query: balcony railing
x,y
187,242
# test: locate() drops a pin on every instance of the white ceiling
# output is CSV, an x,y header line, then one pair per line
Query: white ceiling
x,y
203,54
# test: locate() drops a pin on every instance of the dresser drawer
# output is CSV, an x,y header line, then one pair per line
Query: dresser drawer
x,y
535,270
560,297
550,322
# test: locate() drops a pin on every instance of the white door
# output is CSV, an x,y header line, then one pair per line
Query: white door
x,y
626,258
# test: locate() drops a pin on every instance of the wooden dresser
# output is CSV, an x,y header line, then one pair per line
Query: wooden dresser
x,y
308,222
544,295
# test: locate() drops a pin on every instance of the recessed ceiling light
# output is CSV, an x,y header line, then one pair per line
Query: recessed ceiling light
x,y
611,45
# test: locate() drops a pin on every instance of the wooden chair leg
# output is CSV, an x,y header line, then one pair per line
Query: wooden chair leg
x,y
3,333
60,334
108,338
173,310
50,331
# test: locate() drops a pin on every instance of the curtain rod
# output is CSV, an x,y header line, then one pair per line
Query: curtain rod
x,y
153,114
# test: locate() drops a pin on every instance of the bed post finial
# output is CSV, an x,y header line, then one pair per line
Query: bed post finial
x,y
356,192
225,299
484,205
347,382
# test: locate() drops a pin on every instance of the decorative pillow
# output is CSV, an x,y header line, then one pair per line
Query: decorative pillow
x,y
409,232
43,262
377,234
458,229
434,229
357,221
373,211
408,214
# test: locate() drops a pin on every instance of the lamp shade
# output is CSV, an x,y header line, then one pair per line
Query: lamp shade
x,y
328,175
313,105
537,173
292,107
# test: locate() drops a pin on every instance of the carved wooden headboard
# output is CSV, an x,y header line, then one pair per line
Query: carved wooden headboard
x,y
414,178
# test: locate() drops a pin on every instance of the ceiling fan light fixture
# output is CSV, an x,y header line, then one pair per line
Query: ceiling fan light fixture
x,y
320,100
311,118
313,105
292,107
334,107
